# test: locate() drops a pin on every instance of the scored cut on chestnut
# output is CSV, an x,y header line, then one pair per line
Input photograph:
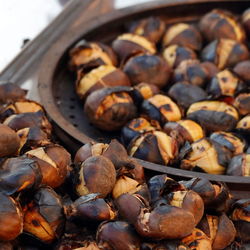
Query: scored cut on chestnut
x,y
239,165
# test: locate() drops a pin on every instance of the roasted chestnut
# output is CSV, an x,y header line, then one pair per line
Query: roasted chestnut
x,y
183,34
213,115
242,69
175,54
239,165
243,126
96,175
225,53
151,27
18,174
54,162
155,146
242,103
43,216
160,108
225,83
207,156
101,77
220,229
117,235
221,24
186,94
110,108
184,130
11,218
90,55
6,245
246,21
77,244
147,68
9,141
127,45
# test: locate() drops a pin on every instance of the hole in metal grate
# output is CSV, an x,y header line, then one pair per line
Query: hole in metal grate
x,y
72,116
75,125
72,107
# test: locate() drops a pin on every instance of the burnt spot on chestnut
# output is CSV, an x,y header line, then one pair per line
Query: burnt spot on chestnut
x,y
147,68
96,175
175,54
225,53
207,156
242,103
186,94
221,24
110,108
213,115
160,108
101,77
155,146
242,69
246,21
239,165
127,45
183,34
91,55
117,235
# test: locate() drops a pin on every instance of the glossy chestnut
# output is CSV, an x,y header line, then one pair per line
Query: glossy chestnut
x,y
242,103
239,165
242,69
246,21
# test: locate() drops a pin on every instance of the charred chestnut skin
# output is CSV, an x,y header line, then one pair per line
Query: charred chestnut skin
x,y
242,70
11,218
239,165
117,235
242,103
110,108
148,68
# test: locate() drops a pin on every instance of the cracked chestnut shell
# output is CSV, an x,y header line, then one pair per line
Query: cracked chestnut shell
x,y
151,27
117,235
239,165
220,229
213,115
220,23
246,21
96,175
186,94
11,218
183,34
43,216
147,68
91,55
242,103
98,78
54,162
155,146
242,69
207,156
110,108
9,141
160,108
225,53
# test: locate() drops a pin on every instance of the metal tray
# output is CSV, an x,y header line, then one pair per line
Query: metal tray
x,y
56,83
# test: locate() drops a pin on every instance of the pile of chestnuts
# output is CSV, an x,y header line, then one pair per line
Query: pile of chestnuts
x,y
179,93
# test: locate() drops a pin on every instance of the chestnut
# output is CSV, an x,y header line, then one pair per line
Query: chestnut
x,y
10,92
220,23
147,68
117,235
96,175
183,34
110,108
225,53
155,146
225,83
184,130
220,229
242,69
160,108
90,207
242,103
9,141
151,27
98,78
246,21
90,55
240,218
213,115
186,94
165,222
198,240
127,45
6,245
207,156
175,54
18,174
43,216
239,165
82,245
243,126
54,162
11,218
